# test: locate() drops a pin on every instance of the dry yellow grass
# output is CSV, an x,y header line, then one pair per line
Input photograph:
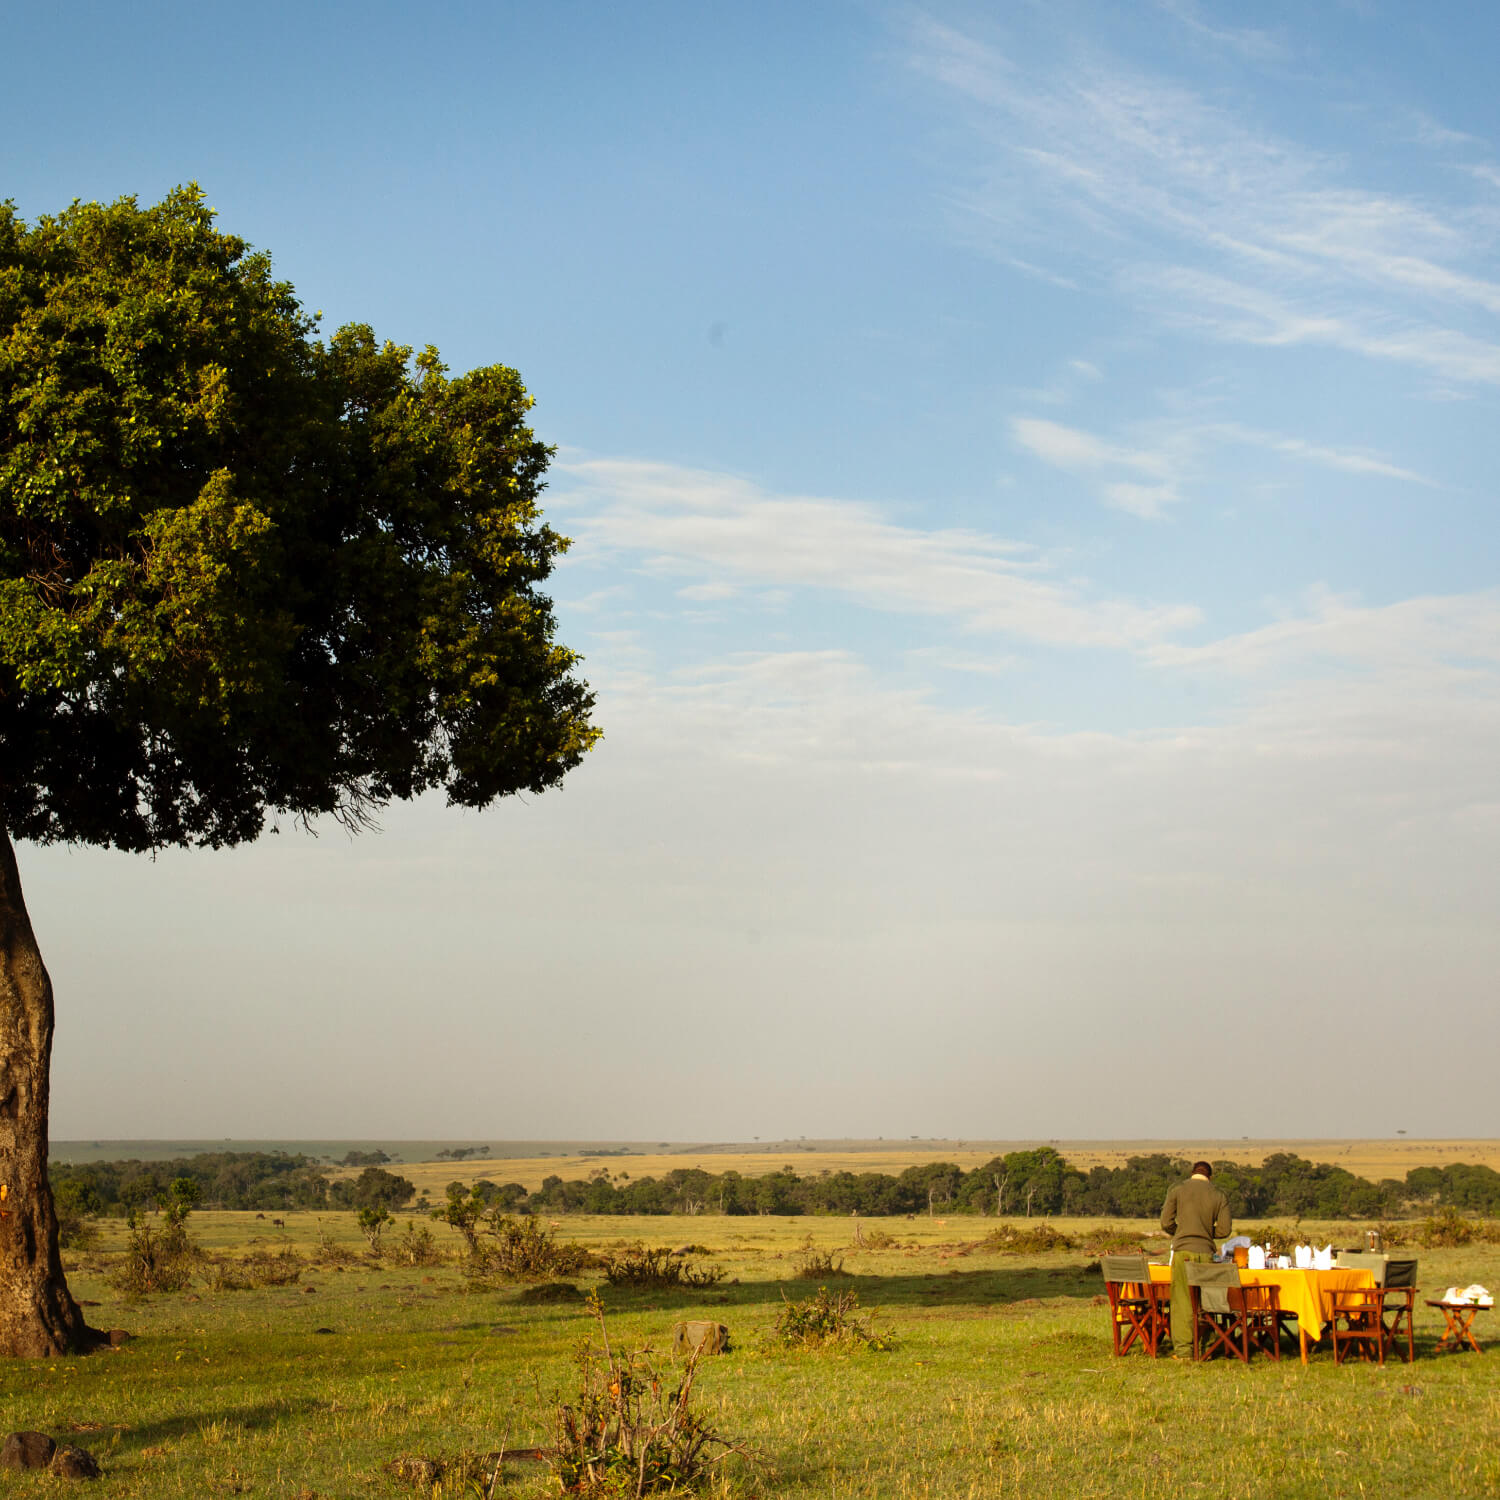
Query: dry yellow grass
x,y
1374,1159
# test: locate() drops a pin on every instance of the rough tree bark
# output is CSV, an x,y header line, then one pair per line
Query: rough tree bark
x,y
38,1316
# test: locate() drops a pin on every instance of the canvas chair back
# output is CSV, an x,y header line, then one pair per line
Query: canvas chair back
x,y
1213,1282
1364,1260
1125,1268
1401,1273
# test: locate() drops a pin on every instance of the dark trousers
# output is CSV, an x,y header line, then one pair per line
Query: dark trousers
x,y
1182,1301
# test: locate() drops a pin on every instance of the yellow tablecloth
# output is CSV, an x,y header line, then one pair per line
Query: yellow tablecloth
x,y
1305,1293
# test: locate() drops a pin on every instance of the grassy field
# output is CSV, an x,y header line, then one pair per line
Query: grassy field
x,y
1001,1382
1370,1158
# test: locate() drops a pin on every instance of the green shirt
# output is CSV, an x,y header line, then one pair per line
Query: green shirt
x,y
1195,1214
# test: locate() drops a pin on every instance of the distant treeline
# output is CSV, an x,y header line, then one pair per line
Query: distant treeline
x,y
225,1179
1036,1183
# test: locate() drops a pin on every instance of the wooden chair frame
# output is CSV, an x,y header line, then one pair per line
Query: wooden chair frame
x,y
1357,1323
1245,1319
1398,1301
1139,1309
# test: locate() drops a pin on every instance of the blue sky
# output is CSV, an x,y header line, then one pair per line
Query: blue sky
x,y
1029,468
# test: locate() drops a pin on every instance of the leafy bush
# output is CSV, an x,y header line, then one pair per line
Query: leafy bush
x,y
874,1239
828,1318
817,1264
331,1253
416,1247
638,1265
1277,1241
160,1260
521,1250
1445,1229
372,1222
627,1432
1033,1240
1110,1239
262,1268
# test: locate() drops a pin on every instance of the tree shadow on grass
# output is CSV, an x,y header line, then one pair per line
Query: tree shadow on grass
x,y
980,1290
254,1418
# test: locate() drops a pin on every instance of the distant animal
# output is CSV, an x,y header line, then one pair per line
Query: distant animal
x,y
260,1216
281,1223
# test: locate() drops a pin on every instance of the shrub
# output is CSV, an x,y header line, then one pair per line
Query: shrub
x,y
160,1260
1277,1241
372,1222
627,1432
263,1268
876,1239
816,1265
417,1247
521,1250
1446,1228
1108,1239
638,1265
1036,1239
828,1318
331,1253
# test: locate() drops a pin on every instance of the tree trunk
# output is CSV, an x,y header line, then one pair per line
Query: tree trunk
x,y
38,1316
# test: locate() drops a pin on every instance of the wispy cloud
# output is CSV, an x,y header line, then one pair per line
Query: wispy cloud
x,y
675,521
1212,220
1146,477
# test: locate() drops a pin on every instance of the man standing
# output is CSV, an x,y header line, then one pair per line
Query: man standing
x,y
1195,1214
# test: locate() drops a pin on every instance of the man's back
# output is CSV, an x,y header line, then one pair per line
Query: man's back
x,y
1195,1214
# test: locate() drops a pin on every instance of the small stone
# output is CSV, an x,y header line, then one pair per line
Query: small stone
x,y
26,1450
322,1330
118,1336
309,1290
702,1334
74,1463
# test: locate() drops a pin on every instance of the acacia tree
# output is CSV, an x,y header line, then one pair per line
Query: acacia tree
x,y
245,573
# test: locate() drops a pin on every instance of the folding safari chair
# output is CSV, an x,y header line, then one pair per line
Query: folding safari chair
x,y
1138,1309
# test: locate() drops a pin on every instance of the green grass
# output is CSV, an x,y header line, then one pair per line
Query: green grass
x,y
1001,1384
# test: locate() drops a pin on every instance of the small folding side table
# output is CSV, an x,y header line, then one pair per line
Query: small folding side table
x,y
1459,1317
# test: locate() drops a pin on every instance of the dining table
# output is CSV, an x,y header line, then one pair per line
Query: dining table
x,y
1305,1291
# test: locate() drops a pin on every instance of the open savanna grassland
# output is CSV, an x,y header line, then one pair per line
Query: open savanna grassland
x,y
1373,1159
1001,1382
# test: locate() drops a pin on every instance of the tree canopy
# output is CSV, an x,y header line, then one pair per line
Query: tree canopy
x,y
246,570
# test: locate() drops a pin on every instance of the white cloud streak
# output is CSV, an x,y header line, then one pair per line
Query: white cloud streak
x,y
1211,222
677,521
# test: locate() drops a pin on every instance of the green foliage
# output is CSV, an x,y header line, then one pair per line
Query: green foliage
x,y
828,1318
160,1260
522,1250
372,1222
260,1268
244,569
465,1212
643,1266
814,1264
628,1431
1034,1239
373,1188
416,1247
1446,1228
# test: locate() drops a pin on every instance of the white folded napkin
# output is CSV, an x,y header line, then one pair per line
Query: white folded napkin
x,y
1303,1255
1257,1257
1456,1297
1479,1295
1323,1259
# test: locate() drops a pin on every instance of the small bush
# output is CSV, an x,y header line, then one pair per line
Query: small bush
x,y
331,1253
156,1260
828,1318
1007,1239
1445,1229
1107,1239
416,1247
521,1250
817,1265
1393,1236
261,1268
1277,1241
627,1432
638,1265
551,1291
875,1239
